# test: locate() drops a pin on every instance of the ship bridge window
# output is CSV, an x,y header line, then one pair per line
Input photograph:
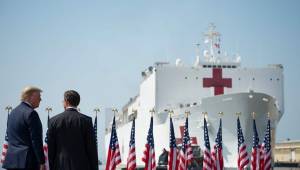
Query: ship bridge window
x,y
209,66
186,78
271,79
219,66
233,66
253,78
277,79
196,78
214,66
228,66
239,78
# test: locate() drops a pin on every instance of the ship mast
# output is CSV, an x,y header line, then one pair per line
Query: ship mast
x,y
212,38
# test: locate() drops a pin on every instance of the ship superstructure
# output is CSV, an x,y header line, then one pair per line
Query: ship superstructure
x,y
214,83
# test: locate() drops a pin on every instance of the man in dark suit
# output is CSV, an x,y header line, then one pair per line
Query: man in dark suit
x,y
71,138
25,134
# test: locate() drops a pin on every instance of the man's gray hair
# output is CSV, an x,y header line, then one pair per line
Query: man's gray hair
x,y
27,91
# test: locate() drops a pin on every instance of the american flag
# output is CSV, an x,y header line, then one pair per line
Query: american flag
x,y
5,146
243,159
207,162
267,148
131,160
256,149
172,161
217,154
186,153
149,153
113,156
45,147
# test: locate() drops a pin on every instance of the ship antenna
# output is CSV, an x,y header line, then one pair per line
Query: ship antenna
x,y
213,38
152,111
197,49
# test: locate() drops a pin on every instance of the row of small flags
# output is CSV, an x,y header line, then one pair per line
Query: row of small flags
x,y
181,159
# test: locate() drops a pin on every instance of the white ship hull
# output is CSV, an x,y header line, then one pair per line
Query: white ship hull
x,y
246,103
213,84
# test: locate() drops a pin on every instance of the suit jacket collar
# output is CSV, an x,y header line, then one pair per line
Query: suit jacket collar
x,y
27,104
71,109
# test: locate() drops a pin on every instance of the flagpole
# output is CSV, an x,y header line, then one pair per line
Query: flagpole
x,y
115,111
96,110
8,109
221,114
134,112
171,112
253,115
187,113
48,109
205,114
152,111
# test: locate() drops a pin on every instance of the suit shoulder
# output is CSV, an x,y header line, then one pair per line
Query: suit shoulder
x,y
56,117
88,118
24,108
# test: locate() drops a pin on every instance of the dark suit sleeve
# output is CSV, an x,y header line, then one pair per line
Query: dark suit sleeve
x,y
36,133
91,145
51,144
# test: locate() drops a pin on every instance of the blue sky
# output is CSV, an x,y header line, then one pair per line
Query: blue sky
x,y
100,47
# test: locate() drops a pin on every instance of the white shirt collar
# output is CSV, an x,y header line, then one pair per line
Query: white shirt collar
x,y
70,107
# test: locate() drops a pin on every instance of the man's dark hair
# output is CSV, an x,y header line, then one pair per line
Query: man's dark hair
x,y
72,97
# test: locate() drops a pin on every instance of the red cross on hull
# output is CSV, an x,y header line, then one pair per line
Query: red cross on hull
x,y
217,81
179,140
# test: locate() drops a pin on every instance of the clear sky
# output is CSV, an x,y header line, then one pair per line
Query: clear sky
x,y
100,47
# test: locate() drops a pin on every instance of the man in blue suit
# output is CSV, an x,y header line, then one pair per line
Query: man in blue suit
x,y
25,134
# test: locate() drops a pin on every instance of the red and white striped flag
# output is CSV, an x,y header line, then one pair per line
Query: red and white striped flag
x,y
131,160
243,159
113,156
217,153
45,147
4,149
5,144
172,161
266,149
256,150
207,160
186,153
149,153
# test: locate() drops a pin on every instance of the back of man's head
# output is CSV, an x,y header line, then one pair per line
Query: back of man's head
x,y
28,91
72,97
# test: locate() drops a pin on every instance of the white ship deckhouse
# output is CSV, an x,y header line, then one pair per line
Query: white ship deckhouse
x,y
214,83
